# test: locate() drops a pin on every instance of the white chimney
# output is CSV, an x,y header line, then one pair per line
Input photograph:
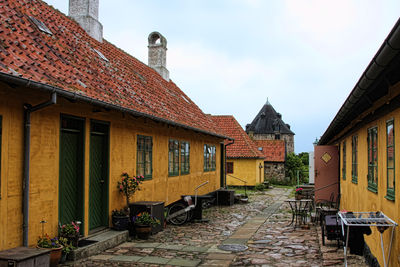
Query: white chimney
x,y
158,54
86,13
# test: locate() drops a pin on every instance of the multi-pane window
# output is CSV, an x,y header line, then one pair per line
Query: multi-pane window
x,y
144,156
373,159
206,158
390,159
213,159
344,161
229,167
173,157
185,146
209,158
354,169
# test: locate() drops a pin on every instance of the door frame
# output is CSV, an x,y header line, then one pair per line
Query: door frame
x,y
80,182
106,174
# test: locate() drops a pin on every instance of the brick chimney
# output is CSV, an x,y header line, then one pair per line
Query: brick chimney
x,y
158,54
86,13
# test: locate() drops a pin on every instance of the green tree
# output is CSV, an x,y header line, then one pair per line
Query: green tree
x,y
304,158
295,163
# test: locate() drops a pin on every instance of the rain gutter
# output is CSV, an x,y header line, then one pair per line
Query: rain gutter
x,y
27,158
387,52
73,95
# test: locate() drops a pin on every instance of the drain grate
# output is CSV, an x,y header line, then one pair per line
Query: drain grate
x,y
233,247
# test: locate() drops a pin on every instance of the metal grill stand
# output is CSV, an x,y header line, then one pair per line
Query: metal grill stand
x,y
378,219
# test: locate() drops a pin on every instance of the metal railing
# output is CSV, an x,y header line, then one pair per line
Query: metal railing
x,y
245,183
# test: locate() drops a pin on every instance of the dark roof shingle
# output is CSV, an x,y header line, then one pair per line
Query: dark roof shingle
x,y
265,121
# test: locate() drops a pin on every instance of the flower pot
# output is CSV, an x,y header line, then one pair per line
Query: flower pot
x,y
55,255
297,197
120,223
63,257
74,239
143,231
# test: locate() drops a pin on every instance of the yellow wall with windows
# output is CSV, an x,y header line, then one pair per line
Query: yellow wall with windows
x,y
44,164
357,197
247,170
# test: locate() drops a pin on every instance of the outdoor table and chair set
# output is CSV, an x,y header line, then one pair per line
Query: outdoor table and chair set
x,y
345,227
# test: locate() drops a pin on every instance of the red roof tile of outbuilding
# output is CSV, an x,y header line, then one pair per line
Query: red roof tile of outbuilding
x,y
243,147
273,150
68,60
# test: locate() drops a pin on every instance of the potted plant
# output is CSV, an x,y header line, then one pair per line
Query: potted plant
x,y
143,223
71,232
67,248
298,193
129,185
120,219
45,242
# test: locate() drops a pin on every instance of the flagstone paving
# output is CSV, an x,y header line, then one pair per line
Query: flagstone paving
x,y
260,225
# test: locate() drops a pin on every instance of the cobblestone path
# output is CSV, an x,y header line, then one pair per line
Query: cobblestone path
x,y
197,244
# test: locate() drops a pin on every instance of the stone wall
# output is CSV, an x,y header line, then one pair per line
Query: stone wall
x,y
274,170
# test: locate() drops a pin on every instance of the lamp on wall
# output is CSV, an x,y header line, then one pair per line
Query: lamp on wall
x,y
315,143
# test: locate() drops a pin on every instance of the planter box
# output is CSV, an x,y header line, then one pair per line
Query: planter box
x,y
154,208
25,257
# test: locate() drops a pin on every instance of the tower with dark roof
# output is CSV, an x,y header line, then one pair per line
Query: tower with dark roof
x,y
268,125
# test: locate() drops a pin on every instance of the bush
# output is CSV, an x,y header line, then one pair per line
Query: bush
x,y
285,182
260,187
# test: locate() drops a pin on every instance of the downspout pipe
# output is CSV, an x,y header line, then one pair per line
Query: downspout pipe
x,y
27,151
233,141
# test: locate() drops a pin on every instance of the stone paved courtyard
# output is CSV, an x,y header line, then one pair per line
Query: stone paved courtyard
x,y
197,244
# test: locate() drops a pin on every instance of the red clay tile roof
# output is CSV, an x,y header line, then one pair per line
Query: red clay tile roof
x,y
67,60
243,147
273,150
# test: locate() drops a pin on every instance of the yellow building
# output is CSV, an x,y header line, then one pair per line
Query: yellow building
x,y
364,132
244,163
75,113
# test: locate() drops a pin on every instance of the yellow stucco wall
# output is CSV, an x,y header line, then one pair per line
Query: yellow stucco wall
x,y
44,170
357,198
247,170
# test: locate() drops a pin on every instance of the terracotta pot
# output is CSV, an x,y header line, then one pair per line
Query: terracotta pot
x,y
55,255
297,197
143,231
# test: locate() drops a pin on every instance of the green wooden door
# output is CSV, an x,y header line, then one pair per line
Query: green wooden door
x,y
71,182
98,185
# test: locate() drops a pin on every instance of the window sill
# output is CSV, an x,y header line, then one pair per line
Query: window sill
x,y
390,198
354,181
372,189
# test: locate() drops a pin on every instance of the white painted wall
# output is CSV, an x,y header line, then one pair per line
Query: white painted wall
x,y
311,171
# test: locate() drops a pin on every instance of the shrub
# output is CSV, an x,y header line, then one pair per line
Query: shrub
x,y
260,187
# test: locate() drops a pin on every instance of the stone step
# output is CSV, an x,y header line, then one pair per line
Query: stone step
x,y
97,243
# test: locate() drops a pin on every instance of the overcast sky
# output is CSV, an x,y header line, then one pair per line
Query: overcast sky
x,y
229,56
